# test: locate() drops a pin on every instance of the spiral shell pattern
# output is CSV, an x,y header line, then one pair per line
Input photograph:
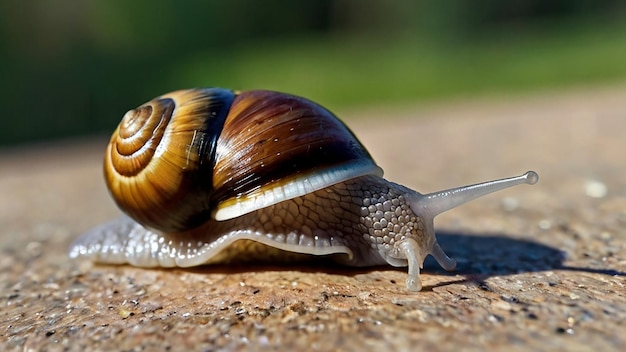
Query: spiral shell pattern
x,y
158,164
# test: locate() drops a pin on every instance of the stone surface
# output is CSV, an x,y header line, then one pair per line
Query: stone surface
x,y
540,268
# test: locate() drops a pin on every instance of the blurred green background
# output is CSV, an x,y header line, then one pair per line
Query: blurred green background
x,y
73,67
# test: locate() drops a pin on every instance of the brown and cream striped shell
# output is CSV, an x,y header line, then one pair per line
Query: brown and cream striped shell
x,y
193,155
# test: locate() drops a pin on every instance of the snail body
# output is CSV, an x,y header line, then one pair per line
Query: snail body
x,y
211,175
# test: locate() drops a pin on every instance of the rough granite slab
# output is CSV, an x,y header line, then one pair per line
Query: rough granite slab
x,y
540,268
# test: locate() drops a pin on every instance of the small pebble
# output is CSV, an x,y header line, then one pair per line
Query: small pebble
x,y
510,203
595,189
545,224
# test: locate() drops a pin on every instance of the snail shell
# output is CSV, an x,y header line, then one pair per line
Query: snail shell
x,y
187,156
212,175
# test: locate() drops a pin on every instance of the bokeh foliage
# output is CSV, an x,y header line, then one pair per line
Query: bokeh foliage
x,y
72,67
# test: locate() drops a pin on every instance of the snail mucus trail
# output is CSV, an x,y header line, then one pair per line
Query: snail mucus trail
x,y
211,175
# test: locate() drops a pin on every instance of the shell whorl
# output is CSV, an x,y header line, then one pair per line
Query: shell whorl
x,y
158,164
194,155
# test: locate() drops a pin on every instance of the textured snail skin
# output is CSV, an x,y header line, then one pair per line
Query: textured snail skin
x,y
362,219
215,176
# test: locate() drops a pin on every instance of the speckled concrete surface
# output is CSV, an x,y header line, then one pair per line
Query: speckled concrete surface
x,y
540,268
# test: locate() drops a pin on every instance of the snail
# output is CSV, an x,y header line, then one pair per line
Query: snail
x,y
210,175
